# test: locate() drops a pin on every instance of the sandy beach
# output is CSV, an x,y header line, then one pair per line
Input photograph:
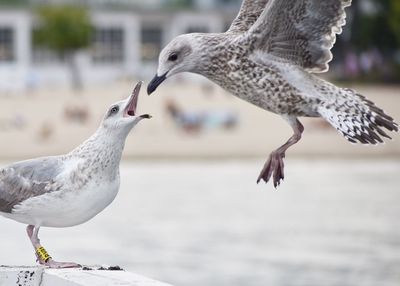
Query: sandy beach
x,y
34,124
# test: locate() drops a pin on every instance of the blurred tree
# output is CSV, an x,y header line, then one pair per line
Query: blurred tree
x,y
373,35
65,30
13,2
373,29
394,18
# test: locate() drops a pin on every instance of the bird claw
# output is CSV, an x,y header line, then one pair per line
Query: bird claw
x,y
58,265
49,262
274,166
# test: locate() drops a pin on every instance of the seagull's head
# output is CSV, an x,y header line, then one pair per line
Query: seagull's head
x,y
121,116
182,54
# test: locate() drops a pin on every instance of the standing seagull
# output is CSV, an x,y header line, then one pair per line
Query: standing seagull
x,y
67,190
268,57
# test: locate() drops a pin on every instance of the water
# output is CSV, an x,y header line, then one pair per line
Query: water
x,y
201,223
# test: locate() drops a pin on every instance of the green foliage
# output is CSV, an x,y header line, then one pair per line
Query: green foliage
x,y
394,19
379,29
63,29
13,2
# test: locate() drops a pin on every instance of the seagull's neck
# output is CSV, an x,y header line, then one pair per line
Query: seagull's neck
x,y
105,145
211,50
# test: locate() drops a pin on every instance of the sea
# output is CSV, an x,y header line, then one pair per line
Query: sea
x,y
332,222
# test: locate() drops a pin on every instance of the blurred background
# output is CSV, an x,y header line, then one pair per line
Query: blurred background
x,y
189,211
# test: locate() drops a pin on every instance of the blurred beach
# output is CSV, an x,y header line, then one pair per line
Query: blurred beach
x,y
189,211
40,122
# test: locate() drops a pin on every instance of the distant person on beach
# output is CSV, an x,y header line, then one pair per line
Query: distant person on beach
x,y
201,120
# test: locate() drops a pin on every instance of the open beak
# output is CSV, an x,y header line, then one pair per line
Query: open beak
x,y
155,82
130,109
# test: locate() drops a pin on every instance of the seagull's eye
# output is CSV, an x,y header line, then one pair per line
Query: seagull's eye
x,y
173,57
114,110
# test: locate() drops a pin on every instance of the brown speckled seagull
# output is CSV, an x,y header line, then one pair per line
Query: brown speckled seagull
x,y
268,57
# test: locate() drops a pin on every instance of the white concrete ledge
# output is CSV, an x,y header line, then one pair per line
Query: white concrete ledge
x,y
41,276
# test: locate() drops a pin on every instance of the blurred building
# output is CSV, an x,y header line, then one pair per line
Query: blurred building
x,y
127,38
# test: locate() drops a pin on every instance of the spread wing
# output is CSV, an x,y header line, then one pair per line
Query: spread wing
x,y
248,15
27,179
300,31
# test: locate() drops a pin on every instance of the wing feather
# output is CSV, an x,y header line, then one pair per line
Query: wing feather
x,y
248,15
27,179
300,31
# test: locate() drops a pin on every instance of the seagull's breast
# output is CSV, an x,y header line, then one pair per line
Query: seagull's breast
x,y
69,206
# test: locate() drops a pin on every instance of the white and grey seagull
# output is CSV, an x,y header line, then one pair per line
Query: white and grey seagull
x,y
269,57
67,190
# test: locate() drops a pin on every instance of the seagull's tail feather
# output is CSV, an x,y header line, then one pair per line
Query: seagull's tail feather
x,y
358,119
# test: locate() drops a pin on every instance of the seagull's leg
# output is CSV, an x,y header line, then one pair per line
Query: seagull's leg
x,y
29,231
42,256
274,164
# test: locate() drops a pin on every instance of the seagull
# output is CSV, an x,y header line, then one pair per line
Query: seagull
x,y
70,189
269,57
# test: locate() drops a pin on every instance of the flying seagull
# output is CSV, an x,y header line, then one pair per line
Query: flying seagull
x,y
269,57
67,190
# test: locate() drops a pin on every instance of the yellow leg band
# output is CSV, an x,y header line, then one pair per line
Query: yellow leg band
x,y
42,253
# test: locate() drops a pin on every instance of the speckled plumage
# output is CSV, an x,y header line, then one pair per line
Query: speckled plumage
x,y
269,56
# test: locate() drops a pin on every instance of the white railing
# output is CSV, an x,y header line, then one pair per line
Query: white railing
x,y
88,276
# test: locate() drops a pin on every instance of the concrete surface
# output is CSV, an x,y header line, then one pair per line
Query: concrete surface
x,y
41,276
